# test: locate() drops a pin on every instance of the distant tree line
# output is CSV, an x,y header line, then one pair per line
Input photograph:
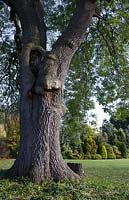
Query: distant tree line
x,y
10,120
78,139
110,142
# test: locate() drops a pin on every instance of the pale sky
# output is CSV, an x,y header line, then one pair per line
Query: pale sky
x,y
100,114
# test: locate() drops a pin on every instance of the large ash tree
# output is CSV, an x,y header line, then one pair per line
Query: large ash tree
x,y
42,76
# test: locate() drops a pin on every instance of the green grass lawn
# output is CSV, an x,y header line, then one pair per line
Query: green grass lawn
x,y
104,179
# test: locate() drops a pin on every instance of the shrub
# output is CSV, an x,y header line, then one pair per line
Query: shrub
x,y
96,157
110,152
4,150
111,156
77,156
67,151
88,156
127,153
13,145
89,146
123,149
109,149
121,135
103,151
117,152
13,134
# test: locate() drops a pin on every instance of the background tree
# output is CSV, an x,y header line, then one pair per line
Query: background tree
x,y
113,72
89,147
121,123
9,67
117,142
110,130
103,151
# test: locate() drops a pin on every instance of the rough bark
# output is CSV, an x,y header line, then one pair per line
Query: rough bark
x,y
42,77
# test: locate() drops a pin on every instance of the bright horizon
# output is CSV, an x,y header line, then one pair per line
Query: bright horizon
x,y
100,114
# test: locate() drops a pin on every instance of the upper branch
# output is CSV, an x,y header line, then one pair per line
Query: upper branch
x,y
31,16
74,34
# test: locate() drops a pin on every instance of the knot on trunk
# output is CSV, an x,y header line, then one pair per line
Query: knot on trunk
x,y
48,85
47,76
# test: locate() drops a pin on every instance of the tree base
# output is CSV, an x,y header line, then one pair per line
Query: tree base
x,y
57,171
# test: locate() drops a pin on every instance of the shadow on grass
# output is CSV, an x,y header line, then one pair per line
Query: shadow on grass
x,y
4,174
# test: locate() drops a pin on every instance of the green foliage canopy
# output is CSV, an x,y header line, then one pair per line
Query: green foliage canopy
x,y
99,68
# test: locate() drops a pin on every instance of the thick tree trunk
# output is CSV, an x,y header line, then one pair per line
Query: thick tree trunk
x,y
47,160
41,81
40,155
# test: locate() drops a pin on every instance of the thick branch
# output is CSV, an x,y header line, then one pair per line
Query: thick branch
x,y
31,15
72,37
75,32
14,18
39,6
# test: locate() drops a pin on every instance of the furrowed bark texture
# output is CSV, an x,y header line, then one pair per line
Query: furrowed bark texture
x,y
42,78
